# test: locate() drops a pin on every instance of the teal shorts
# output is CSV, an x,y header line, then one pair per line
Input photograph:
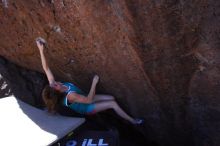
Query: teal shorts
x,y
81,108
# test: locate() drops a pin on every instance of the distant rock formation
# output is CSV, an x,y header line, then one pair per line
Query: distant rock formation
x,y
159,58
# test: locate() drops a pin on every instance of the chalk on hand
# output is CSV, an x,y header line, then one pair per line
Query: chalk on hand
x,y
41,40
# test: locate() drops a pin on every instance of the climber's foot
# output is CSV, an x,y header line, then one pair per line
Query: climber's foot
x,y
138,121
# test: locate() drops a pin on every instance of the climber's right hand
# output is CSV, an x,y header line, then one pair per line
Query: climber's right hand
x,y
40,45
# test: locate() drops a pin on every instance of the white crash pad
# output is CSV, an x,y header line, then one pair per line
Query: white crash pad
x,y
24,125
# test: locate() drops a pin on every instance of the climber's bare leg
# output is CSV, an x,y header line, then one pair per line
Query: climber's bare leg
x,y
104,105
102,97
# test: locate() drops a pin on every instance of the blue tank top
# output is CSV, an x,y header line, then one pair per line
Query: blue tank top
x,y
81,108
73,88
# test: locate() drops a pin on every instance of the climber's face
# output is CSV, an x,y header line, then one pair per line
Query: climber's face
x,y
56,85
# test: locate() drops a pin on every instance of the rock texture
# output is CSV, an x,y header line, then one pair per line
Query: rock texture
x,y
22,83
159,58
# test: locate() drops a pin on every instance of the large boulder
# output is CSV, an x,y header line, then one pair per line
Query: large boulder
x,y
160,59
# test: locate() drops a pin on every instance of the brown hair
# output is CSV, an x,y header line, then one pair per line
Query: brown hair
x,y
51,98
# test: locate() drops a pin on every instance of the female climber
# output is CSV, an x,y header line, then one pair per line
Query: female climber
x,y
72,97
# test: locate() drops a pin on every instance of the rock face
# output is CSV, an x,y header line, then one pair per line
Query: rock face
x,y
160,59
22,83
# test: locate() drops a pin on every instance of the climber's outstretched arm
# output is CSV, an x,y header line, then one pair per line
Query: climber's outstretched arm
x,y
46,68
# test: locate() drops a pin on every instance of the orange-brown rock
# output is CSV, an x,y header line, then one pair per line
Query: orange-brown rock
x,y
159,58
